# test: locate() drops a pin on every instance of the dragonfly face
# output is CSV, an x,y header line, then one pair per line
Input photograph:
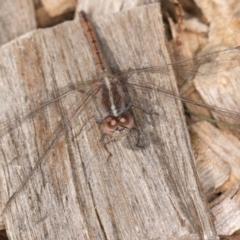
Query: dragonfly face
x,y
111,123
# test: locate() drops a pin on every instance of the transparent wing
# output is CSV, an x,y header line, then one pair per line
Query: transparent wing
x,y
210,63
13,122
65,124
153,87
91,88
199,66
216,62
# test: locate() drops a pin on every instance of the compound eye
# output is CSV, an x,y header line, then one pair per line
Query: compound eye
x,y
109,124
126,120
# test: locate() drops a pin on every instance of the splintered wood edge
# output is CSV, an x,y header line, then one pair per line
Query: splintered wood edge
x,y
226,211
212,170
226,147
203,226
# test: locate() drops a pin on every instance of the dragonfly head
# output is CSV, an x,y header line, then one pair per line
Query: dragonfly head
x,y
111,124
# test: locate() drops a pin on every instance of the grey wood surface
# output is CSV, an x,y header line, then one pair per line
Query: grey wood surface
x,y
16,19
150,193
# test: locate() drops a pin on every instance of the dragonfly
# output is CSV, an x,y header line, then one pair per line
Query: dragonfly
x,y
107,90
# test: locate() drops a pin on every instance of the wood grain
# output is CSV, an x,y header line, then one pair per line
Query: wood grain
x,y
11,14
226,211
16,19
225,163
150,193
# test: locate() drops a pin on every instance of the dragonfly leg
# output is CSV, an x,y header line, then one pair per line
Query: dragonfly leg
x,y
105,146
138,140
79,132
97,119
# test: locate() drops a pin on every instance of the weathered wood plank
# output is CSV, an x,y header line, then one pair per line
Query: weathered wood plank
x,y
11,14
16,19
217,158
76,193
226,211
